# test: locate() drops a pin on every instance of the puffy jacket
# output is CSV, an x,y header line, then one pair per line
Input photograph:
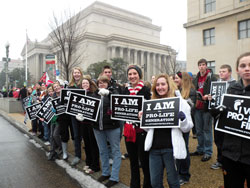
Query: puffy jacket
x,y
234,147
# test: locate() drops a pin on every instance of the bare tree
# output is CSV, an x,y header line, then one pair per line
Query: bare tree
x,y
65,36
170,65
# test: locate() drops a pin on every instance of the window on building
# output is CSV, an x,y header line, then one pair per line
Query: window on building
x,y
211,65
244,29
242,0
209,36
210,5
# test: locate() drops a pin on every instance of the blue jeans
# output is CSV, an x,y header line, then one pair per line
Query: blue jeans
x,y
158,159
46,131
113,136
203,123
183,165
77,136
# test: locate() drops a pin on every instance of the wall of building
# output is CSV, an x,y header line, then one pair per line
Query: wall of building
x,y
227,46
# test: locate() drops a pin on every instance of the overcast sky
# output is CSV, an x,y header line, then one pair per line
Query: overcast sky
x,y
18,15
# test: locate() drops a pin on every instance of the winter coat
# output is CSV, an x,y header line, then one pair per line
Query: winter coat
x,y
178,143
206,86
234,147
107,122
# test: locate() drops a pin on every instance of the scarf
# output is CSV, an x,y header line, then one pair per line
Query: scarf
x,y
129,129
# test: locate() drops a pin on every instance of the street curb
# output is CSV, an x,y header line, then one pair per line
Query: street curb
x,y
23,128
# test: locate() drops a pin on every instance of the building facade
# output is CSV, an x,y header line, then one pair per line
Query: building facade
x,y
217,30
14,63
110,32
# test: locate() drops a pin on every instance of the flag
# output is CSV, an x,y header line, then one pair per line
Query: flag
x,y
45,79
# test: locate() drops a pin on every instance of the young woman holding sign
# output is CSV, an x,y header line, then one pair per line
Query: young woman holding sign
x,y
86,132
184,84
167,144
135,142
55,139
235,149
106,129
75,82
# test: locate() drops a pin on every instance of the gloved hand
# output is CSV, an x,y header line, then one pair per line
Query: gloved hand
x,y
66,83
103,92
181,115
79,117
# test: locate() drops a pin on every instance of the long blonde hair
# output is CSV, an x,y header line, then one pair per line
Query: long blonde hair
x,y
171,87
72,81
186,85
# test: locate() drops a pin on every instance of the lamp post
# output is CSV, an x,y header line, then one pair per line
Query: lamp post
x,y
7,45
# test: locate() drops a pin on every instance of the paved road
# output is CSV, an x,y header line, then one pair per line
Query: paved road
x,y
22,165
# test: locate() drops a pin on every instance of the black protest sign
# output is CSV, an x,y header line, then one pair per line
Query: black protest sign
x,y
60,109
161,113
45,111
85,105
26,101
236,118
32,110
216,91
126,107
66,92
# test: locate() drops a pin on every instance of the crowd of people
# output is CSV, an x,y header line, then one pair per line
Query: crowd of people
x,y
151,149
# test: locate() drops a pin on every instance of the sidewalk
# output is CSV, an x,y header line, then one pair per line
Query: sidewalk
x,y
16,119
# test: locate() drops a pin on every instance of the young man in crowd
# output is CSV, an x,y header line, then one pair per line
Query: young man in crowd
x,y
203,119
225,74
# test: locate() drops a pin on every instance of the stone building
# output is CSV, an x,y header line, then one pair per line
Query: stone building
x,y
110,32
14,63
217,30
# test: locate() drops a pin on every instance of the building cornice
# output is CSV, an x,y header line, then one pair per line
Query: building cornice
x,y
103,12
228,13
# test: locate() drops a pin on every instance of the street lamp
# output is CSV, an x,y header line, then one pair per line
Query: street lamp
x,y
7,45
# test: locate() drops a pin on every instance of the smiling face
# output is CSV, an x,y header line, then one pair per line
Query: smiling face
x,y
243,69
57,88
133,77
85,84
76,75
161,86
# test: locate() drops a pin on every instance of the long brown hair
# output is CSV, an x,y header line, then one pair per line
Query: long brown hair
x,y
186,85
72,81
92,86
171,87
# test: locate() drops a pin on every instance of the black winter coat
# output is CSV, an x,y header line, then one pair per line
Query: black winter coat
x,y
107,122
234,147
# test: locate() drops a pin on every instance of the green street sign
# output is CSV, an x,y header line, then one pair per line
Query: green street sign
x,y
5,59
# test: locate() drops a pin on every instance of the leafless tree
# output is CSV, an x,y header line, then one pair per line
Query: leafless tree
x,y
170,65
66,34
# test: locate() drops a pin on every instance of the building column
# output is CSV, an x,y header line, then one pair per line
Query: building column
x,y
148,66
142,59
135,57
121,52
129,56
109,53
153,64
113,52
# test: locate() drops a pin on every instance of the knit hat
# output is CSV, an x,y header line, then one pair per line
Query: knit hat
x,y
137,69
